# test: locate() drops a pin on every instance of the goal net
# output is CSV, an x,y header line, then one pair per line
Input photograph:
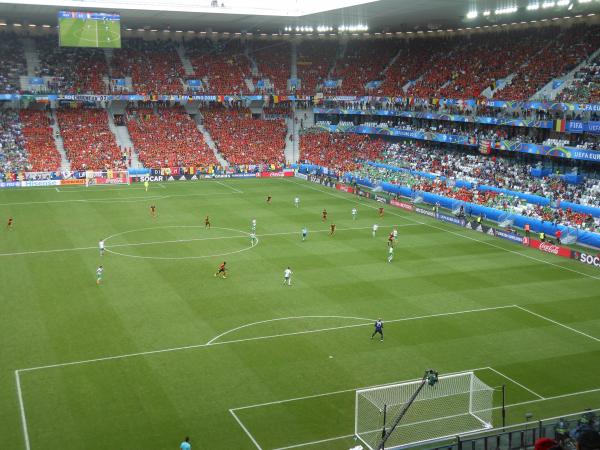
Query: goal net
x,y
458,403
107,177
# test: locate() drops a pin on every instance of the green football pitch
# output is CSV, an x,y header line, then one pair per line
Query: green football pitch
x,y
163,349
90,33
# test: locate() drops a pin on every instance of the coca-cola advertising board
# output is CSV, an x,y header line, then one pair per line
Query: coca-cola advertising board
x,y
550,248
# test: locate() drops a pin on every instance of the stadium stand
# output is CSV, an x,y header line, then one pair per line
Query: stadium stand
x,y
38,141
71,70
169,138
586,85
362,61
12,153
244,140
154,66
88,142
13,62
221,64
315,58
273,60
342,151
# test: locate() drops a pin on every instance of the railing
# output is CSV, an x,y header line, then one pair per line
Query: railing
x,y
514,437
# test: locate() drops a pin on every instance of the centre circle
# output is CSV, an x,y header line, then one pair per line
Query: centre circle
x,y
177,242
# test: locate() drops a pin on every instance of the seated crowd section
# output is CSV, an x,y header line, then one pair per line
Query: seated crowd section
x,y
13,63
506,63
88,141
350,153
38,141
168,138
244,140
221,65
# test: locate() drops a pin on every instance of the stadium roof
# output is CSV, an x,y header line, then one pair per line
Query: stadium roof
x,y
273,16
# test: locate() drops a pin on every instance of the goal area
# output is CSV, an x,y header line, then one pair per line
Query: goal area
x,y
457,403
107,177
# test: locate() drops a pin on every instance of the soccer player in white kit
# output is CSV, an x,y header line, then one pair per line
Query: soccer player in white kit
x,y
287,276
390,254
253,225
354,211
375,229
297,202
101,247
253,240
395,233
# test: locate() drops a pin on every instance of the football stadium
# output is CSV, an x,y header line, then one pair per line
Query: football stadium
x,y
314,225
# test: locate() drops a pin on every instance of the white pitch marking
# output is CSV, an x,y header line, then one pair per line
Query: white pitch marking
x,y
517,383
57,189
257,338
230,187
280,319
60,250
343,391
558,323
245,429
454,233
22,410
321,441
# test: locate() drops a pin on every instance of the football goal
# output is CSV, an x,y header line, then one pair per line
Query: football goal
x,y
416,412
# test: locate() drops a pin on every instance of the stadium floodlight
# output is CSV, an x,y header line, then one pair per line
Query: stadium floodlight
x,y
472,14
548,4
562,2
585,1
533,6
487,12
416,412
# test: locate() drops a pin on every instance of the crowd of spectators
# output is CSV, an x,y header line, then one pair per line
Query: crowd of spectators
x,y
13,158
38,141
314,60
506,173
71,70
88,141
168,138
221,64
585,86
12,63
154,66
338,150
273,60
362,62
244,140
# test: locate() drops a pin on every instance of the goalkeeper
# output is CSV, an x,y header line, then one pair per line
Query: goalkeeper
x,y
378,329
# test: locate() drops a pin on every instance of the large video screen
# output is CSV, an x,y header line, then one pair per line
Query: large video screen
x,y
89,29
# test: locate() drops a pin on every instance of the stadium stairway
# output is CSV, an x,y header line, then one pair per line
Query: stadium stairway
x,y
489,92
294,60
209,141
65,165
392,61
549,92
31,56
185,61
123,139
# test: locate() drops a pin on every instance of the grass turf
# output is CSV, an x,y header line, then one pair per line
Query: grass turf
x,y
89,33
52,312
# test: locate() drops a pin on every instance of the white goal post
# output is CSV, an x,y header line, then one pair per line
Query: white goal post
x,y
457,403
98,178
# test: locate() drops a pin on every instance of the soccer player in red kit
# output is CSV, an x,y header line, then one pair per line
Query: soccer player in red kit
x,y
332,226
381,212
324,215
391,240
222,271
9,225
269,199
207,222
153,211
